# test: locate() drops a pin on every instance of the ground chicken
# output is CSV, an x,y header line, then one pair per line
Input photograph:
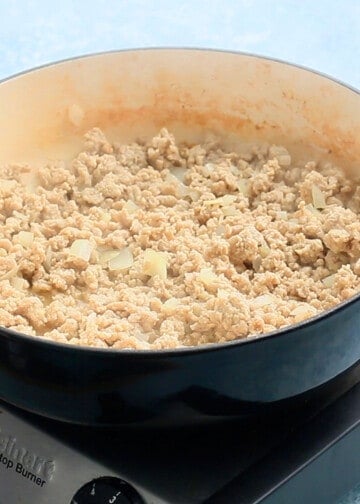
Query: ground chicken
x,y
162,245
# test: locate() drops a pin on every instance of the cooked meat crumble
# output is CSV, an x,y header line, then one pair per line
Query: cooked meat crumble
x,y
159,245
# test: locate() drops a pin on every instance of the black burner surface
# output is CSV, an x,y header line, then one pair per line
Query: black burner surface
x,y
308,454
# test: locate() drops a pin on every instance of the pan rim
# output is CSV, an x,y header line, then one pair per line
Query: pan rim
x,y
185,48
209,347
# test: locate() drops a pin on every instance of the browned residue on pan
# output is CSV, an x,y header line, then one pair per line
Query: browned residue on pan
x,y
196,102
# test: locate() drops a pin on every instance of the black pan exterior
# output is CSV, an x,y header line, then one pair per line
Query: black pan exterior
x,y
105,387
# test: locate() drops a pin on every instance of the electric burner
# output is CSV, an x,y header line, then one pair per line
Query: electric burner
x,y
306,453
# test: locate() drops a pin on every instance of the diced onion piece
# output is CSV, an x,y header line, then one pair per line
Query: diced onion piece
x,y
225,200
171,178
171,302
282,215
318,197
281,154
7,184
24,238
303,312
123,260
208,277
19,283
193,194
81,249
244,186
212,202
299,310
220,230
223,293
356,267
7,187
131,207
12,271
30,181
284,160
230,210
105,217
263,300
313,210
208,168
170,305
18,215
264,250
328,281
181,189
48,260
257,263
106,255
155,264
75,114
179,173
142,336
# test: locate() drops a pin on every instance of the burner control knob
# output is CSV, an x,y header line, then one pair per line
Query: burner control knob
x,y
107,490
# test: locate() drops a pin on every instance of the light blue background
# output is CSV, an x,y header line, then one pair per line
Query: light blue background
x,y
322,34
